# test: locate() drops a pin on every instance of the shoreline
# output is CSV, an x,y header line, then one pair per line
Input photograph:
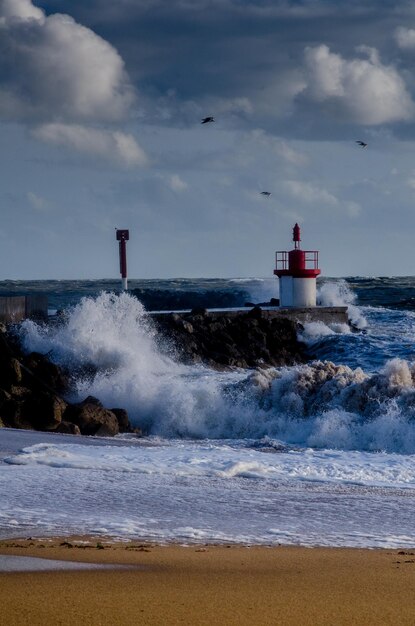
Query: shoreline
x,y
207,584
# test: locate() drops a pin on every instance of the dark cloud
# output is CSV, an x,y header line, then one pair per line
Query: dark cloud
x,y
292,85
248,58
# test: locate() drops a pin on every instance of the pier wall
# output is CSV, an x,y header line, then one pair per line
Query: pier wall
x,y
301,315
242,338
17,308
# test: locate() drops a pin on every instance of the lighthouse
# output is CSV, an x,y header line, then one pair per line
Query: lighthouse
x,y
297,271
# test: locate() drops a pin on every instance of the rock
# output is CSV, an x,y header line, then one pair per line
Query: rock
x,y
199,312
92,419
223,341
19,392
30,388
10,372
4,397
44,410
41,372
67,428
13,415
255,313
122,419
92,400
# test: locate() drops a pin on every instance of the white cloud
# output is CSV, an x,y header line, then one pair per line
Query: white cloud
x,y
53,68
353,208
112,145
290,154
37,202
21,9
230,105
361,90
176,183
405,38
309,193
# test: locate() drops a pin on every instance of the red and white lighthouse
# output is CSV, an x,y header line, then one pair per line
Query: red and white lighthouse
x,y
297,271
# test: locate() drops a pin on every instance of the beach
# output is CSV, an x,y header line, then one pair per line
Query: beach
x,y
221,584
268,496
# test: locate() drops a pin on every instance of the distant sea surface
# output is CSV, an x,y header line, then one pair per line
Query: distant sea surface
x,y
316,454
395,292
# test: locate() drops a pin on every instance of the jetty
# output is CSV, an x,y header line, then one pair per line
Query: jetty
x,y
14,309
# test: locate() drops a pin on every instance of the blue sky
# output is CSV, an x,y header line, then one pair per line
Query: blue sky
x,y
100,109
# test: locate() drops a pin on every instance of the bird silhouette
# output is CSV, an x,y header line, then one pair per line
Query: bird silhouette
x,y
362,144
265,193
206,120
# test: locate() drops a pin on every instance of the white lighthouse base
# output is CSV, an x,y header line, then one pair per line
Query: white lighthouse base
x,y
297,292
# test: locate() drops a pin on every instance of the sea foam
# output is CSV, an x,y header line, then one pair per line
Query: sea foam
x,y
320,404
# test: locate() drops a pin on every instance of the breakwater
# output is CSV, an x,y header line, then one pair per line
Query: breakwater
x,y
17,308
40,375
242,338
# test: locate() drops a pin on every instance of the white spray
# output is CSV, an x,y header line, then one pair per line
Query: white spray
x,y
319,404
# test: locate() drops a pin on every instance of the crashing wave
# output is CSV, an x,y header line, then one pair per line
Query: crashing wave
x,y
320,404
339,294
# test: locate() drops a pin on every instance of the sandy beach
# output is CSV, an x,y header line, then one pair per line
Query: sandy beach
x,y
208,585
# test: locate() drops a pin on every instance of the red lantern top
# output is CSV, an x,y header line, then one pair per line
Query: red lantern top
x,y
297,263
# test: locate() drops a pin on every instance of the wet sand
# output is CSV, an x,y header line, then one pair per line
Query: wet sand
x,y
201,585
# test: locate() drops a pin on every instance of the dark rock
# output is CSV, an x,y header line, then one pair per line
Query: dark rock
x,y
10,372
220,340
199,311
44,410
92,400
40,372
122,419
272,302
5,396
13,415
30,388
67,428
92,419
255,313
20,393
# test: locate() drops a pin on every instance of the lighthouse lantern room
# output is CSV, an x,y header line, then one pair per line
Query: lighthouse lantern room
x,y
297,271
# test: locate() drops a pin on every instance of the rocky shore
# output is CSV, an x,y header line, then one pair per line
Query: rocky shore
x,y
34,390
222,341
32,396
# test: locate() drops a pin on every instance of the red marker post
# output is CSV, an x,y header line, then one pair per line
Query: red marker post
x,y
122,237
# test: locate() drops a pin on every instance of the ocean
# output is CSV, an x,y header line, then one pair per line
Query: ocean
x,y
316,454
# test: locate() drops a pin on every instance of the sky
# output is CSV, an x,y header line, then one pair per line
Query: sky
x,y
100,128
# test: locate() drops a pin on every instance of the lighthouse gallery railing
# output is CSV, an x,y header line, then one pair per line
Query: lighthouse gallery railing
x,y
310,259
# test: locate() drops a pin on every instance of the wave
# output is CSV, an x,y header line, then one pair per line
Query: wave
x,y
216,460
387,292
338,293
320,404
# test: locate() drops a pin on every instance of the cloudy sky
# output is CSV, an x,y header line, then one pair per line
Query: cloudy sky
x,y
100,109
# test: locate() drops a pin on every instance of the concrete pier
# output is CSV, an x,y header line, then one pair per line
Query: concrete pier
x,y
301,315
325,314
17,308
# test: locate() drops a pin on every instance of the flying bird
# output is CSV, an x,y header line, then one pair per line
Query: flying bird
x,y
206,120
362,144
265,193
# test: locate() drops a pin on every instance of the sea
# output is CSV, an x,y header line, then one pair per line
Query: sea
x,y
319,454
